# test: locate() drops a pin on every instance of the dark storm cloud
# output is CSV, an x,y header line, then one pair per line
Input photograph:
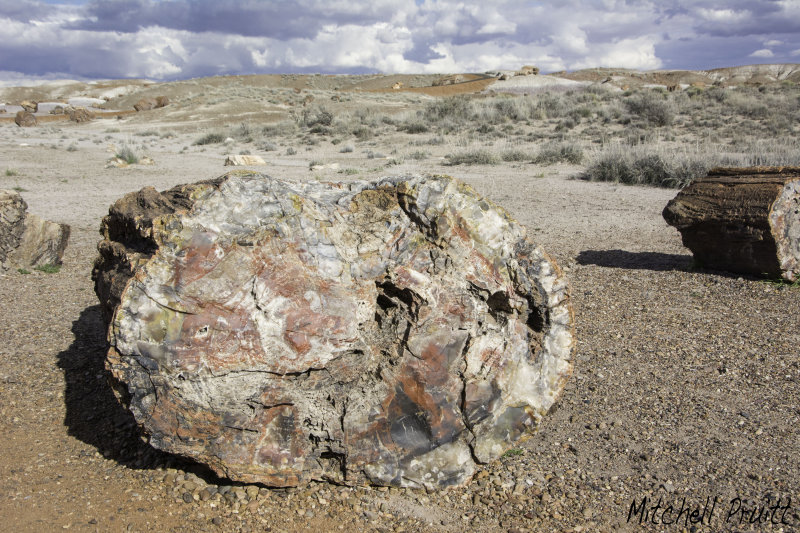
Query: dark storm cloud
x,y
744,17
275,19
20,10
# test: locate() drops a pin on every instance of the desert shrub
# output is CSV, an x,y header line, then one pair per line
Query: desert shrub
x,y
346,149
515,155
362,133
511,108
210,138
268,146
317,115
291,151
651,107
128,155
566,124
563,152
648,165
552,105
415,126
453,107
284,128
320,129
762,152
476,156
243,132
418,155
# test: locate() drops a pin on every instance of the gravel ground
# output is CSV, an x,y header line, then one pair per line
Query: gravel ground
x,y
685,389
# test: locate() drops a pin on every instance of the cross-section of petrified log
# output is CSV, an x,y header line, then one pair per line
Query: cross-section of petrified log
x,y
744,220
393,332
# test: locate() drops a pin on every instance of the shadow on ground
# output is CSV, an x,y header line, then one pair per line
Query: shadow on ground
x,y
93,414
635,260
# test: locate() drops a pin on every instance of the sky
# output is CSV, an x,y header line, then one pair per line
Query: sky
x,y
179,39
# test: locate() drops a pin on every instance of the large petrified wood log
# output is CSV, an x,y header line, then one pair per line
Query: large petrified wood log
x,y
744,220
394,332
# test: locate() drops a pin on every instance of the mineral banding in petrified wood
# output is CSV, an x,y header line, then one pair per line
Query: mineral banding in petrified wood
x,y
744,220
394,332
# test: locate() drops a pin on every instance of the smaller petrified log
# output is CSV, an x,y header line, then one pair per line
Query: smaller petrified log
x,y
244,160
25,119
80,114
146,104
744,220
27,240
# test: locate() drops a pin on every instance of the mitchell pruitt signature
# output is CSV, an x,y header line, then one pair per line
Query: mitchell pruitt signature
x,y
736,511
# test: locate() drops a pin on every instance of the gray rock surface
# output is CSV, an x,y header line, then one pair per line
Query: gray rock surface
x,y
394,332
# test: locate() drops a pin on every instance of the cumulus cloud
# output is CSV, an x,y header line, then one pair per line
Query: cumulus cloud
x,y
170,39
764,52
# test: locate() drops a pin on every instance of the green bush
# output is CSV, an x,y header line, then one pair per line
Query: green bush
x,y
48,269
128,155
652,107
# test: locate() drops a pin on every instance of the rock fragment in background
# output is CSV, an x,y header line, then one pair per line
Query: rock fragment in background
x,y
80,114
146,104
244,160
25,119
393,332
743,220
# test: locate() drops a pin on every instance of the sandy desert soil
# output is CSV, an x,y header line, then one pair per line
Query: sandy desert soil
x,y
686,387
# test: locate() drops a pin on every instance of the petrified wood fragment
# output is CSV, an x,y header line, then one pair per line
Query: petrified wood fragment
x,y
26,240
744,220
393,332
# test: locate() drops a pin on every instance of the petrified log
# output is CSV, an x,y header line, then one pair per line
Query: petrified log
x,y
80,115
25,119
744,220
27,240
244,160
146,104
392,332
